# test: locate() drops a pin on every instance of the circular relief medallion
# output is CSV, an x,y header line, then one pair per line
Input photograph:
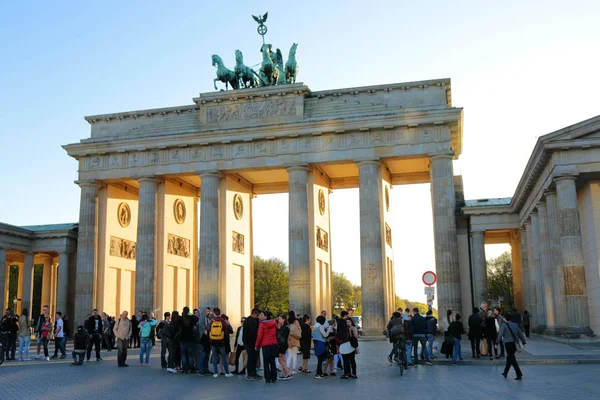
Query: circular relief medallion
x,y
179,211
124,215
321,201
387,198
238,206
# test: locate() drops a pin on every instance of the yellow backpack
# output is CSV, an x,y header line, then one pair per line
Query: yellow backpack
x,y
217,332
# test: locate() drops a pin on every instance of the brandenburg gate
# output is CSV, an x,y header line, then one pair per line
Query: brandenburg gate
x,y
166,194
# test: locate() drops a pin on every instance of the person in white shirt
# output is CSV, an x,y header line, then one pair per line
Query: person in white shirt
x,y
59,337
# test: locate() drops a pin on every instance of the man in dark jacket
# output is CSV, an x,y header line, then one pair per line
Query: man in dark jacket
x,y
419,329
94,329
475,332
249,335
397,335
9,325
79,345
431,333
188,322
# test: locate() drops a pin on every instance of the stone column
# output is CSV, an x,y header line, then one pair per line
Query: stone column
x,y
536,272
444,231
371,254
480,287
572,255
558,287
531,295
517,269
47,282
86,252
27,283
208,259
145,258
3,285
62,283
525,270
545,295
299,250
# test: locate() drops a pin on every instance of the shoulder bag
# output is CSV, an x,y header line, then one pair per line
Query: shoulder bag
x,y
517,341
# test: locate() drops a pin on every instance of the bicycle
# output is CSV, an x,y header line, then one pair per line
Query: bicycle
x,y
401,361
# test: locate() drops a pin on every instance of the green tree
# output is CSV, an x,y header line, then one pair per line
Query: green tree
x,y
343,293
271,290
500,279
357,300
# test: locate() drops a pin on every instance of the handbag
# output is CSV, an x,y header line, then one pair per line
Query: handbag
x,y
231,358
484,348
517,342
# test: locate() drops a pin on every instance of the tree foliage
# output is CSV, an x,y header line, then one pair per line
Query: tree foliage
x,y
500,279
271,289
343,293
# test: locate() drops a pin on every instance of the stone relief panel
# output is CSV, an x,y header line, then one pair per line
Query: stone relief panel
x,y
249,111
261,149
575,280
238,207
124,214
237,244
122,248
134,159
115,161
240,150
197,153
95,162
387,198
321,202
354,140
179,211
388,235
178,246
322,239
154,157
329,142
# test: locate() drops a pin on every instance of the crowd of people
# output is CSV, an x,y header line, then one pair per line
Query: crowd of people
x,y
491,333
190,341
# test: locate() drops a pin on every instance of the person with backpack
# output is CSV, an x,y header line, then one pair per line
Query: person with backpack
x,y
122,330
186,339
80,340
218,333
146,325
266,340
397,335
431,333
456,330
283,333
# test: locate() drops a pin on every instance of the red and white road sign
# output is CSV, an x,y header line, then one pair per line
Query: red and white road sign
x,y
429,278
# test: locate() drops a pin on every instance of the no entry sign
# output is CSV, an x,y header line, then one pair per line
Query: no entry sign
x,y
429,278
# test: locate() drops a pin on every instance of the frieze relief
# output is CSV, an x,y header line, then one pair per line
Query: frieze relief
x,y
249,111
178,246
322,239
237,244
122,248
388,235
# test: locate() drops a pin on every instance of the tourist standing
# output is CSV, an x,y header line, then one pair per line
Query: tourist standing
x,y
332,352
250,334
475,332
122,331
145,339
80,340
293,342
107,332
431,332
490,333
283,335
526,322
266,340
186,338
176,325
218,335
135,333
94,328
511,335
9,324
499,322
163,331
46,331
448,339
419,328
59,337
516,318
239,347
305,341
24,334
348,351
456,329
204,346
38,329
319,336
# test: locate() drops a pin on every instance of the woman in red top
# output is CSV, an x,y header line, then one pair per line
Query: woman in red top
x,y
46,329
267,340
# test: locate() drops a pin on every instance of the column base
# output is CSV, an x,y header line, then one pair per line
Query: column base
x,y
566,332
373,333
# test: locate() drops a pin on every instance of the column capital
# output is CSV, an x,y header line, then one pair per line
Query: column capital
x,y
474,233
549,192
572,177
148,179
88,183
209,174
297,167
442,156
541,204
367,162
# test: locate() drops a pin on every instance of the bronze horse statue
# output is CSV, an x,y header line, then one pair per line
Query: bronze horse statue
x,y
291,68
225,75
246,75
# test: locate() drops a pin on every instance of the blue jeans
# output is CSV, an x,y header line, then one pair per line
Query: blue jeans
x,y
219,350
187,355
430,337
415,344
457,351
24,345
202,360
145,347
409,351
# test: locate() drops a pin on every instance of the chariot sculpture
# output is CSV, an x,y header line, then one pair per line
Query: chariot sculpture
x,y
272,71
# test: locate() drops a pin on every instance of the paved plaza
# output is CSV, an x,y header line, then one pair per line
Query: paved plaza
x,y
377,380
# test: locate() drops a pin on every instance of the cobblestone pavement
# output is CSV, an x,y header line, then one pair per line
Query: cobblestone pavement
x,y
377,380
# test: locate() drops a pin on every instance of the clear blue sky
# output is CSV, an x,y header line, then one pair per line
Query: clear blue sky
x,y
519,71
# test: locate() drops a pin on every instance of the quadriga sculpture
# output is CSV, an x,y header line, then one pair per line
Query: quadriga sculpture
x,y
225,75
